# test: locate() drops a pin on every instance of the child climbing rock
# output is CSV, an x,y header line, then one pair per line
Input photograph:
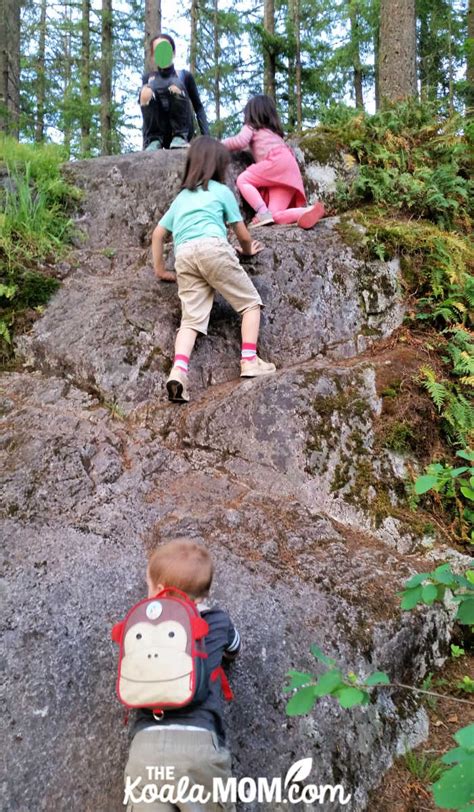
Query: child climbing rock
x,y
273,185
205,261
187,742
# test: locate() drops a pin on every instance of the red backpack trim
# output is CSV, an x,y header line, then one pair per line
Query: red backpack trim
x,y
219,674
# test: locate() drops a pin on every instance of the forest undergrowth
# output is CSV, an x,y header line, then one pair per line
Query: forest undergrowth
x,y
35,229
413,195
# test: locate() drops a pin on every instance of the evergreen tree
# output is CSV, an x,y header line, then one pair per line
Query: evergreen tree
x,y
106,78
397,66
10,68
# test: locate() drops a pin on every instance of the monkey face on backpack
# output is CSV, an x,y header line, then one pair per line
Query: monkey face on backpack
x,y
161,653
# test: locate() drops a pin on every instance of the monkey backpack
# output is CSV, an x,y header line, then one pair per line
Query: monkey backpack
x,y
162,658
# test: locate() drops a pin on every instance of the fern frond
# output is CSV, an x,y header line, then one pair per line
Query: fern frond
x,y
438,392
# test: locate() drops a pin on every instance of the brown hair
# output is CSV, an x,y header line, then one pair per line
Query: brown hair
x,y
184,564
260,113
207,159
162,36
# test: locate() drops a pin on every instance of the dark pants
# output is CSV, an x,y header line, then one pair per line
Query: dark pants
x,y
161,124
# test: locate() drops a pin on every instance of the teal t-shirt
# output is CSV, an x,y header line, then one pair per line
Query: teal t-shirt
x,y
198,214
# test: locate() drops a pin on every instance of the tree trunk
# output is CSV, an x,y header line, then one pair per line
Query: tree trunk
x,y
193,46
424,57
298,95
85,78
397,50
355,47
67,76
450,64
291,65
269,60
152,28
217,72
41,77
106,80
377,64
470,59
10,68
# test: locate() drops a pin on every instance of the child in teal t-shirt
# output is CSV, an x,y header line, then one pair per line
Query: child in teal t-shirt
x,y
206,262
201,213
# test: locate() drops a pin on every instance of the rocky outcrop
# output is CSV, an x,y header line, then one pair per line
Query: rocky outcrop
x,y
278,476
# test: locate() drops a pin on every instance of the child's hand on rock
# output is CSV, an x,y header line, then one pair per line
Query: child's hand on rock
x,y
165,276
255,248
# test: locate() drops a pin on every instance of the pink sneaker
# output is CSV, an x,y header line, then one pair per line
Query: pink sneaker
x,y
311,216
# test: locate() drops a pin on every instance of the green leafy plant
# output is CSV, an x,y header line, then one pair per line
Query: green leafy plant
x,y
455,486
455,788
454,406
412,194
347,688
466,684
410,159
35,224
430,587
457,651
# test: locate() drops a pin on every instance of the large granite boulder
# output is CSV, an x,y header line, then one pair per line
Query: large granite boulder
x,y
280,477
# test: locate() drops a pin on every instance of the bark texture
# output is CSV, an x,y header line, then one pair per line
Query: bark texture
x,y
397,55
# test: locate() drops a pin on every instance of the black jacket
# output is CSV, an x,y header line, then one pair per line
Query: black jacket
x,y
191,89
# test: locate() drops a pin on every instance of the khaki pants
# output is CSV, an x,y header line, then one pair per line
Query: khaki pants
x,y
194,754
204,266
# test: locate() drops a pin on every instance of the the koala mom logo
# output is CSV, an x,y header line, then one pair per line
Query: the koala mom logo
x,y
291,789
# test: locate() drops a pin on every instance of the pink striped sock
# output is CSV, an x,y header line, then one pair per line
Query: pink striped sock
x,y
182,362
248,352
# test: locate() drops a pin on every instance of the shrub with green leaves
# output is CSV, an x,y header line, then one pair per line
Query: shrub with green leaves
x,y
35,205
455,788
347,688
456,488
430,587
413,193
411,159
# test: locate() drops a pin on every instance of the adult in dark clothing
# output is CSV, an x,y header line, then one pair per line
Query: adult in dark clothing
x,y
165,98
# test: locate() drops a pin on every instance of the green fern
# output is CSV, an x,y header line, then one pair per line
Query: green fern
x,y
438,392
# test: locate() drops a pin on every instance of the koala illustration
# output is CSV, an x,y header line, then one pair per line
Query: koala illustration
x,y
158,649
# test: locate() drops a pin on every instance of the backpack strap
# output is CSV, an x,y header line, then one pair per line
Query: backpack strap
x,y
219,674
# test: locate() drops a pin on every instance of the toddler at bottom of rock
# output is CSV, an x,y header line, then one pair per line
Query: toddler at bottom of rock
x,y
187,743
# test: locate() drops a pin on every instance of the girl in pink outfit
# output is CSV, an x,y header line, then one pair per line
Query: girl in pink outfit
x,y
273,185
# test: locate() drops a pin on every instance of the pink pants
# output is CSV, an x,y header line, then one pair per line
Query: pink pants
x,y
278,199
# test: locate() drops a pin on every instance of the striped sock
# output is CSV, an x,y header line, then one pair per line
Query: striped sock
x,y
248,352
182,362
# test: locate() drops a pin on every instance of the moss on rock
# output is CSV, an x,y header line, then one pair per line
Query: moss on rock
x,y
320,147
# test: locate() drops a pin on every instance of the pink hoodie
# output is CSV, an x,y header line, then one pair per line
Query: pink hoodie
x,y
261,142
